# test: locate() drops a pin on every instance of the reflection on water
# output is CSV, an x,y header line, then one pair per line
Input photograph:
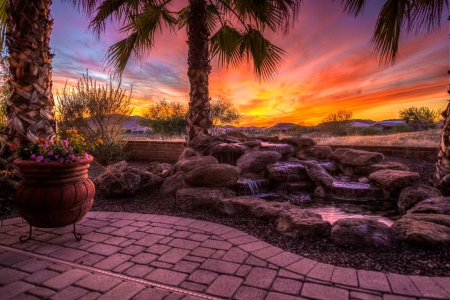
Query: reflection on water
x,y
332,210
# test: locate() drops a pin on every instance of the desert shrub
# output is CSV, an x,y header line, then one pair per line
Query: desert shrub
x,y
223,113
167,119
298,130
365,131
401,128
337,123
98,112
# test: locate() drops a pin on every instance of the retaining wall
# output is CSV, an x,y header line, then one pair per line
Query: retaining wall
x,y
170,151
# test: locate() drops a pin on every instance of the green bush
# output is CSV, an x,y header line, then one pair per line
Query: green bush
x,y
401,128
98,112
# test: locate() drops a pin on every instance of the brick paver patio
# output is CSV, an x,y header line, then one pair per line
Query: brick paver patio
x,y
138,256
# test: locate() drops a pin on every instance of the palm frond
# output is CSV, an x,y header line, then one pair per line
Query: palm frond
x,y
141,31
393,15
261,52
225,44
353,7
426,14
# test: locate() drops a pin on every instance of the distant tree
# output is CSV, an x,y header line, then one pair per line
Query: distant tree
x,y
421,118
298,130
98,112
168,119
223,112
337,123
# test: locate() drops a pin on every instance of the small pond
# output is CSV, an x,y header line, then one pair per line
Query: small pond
x,y
332,209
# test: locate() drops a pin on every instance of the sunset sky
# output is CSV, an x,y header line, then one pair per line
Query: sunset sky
x,y
329,66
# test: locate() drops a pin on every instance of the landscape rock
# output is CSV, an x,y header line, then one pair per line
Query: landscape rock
x,y
318,175
202,142
347,156
320,192
201,198
421,233
355,191
187,152
238,135
121,180
227,153
410,196
432,218
317,152
286,172
239,205
298,222
191,163
160,169
438,205
284,149
256,161
172,184
392,180
215,175
299,142
362,233
253,144
366,170
270,211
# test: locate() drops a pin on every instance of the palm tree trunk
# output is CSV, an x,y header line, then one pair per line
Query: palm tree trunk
x,y
31,108
199,67
443,163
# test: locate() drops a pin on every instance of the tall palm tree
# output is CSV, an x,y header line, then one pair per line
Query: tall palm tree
x,y
30,106
239,26
416,16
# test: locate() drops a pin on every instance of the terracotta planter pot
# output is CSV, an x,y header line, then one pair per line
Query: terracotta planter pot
x,y
54,194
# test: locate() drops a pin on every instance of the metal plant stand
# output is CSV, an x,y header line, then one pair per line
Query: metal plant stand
x,y
24,238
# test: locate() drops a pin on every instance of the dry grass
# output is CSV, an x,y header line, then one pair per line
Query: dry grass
x,y
429,138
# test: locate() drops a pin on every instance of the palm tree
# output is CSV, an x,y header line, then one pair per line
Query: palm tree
x,y
416,16
30,106
231,43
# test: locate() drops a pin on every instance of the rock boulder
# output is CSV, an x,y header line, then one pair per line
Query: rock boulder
x,y
421,233
393,180
270,211
346,156
256,161
318,175
191,163
438,205
362,233
216,175
172,184
410,196
201,198
299,142
239,205
316,152
302,223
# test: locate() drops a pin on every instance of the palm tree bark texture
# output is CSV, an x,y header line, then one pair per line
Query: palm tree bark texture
x,y
199,67
442,173
31,108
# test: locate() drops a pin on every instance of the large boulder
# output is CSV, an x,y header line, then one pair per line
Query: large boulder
x,y
270,211
227,153
284,149
238,135
318,175
201,198
160,169
172,184
347,156
286,172
367,170
362,233
438,205
216,175
410,196
191,163
299,142
316,152
202,142
302,223
187,152
122,180
256,161
393,180
421,233
432,218
239,205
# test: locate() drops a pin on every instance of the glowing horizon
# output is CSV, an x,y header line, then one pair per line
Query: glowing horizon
x,y
329,66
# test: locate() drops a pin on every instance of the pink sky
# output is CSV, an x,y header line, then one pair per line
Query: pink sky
x,y
329,66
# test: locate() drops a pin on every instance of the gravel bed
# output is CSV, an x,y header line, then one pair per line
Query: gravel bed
x,y
401,258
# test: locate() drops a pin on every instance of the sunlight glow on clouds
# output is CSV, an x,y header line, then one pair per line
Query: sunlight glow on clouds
x,y
329,66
